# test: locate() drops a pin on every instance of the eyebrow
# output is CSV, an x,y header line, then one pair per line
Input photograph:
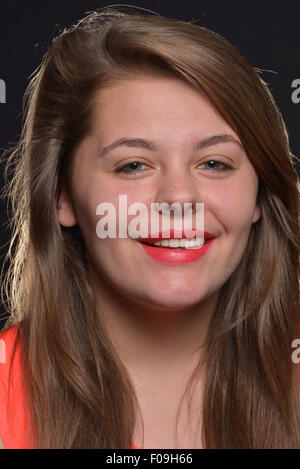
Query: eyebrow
x,y
149,145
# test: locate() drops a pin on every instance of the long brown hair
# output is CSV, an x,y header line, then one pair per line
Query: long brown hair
x,y
79,394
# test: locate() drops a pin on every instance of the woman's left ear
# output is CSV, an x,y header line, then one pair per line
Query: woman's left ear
x,y
257,214
65,211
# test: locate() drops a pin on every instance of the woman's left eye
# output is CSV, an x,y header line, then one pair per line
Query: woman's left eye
x,y
224,167
126,168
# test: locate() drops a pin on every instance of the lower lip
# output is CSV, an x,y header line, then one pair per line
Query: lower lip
x,y
171,256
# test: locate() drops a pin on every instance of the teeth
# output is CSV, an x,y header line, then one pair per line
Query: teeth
x,y
183,243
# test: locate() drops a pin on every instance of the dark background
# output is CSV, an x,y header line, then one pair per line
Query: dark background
x,y
266,32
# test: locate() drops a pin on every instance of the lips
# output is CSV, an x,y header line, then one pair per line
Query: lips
x,y
173,256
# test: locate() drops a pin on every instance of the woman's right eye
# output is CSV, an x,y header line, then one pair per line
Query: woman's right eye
x,y
126,168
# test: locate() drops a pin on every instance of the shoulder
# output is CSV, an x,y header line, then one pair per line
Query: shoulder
x,y
9,340
12,411
10,364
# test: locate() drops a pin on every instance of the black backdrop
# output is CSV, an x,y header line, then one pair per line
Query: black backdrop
x,y
266,32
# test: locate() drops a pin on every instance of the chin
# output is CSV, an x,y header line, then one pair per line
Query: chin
x,y
171,302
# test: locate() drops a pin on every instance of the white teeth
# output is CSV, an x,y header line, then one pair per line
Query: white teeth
x,y
174,243
164,242
183,243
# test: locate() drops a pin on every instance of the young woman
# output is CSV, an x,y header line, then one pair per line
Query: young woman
x,y
115,343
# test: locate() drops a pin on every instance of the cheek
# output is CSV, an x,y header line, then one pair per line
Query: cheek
x,y
112,192
234,205
90,195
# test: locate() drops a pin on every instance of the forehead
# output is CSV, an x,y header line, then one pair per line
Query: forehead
x,y
158,103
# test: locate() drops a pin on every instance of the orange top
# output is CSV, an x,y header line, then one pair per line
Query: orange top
x,y
13,431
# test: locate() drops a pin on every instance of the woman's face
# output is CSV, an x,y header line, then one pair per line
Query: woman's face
x,y
173,116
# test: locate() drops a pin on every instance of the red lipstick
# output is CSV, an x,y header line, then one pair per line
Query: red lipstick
x,y
167,255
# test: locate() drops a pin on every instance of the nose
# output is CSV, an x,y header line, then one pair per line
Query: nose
x,y
178,187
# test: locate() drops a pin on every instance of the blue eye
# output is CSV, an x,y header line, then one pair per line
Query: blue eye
x,y
126,167
224,168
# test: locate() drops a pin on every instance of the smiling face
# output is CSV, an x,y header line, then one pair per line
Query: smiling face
x,y
172,116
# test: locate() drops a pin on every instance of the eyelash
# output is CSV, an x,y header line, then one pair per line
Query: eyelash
x,y
122,169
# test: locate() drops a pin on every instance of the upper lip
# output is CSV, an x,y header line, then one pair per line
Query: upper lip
x,y
177,234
